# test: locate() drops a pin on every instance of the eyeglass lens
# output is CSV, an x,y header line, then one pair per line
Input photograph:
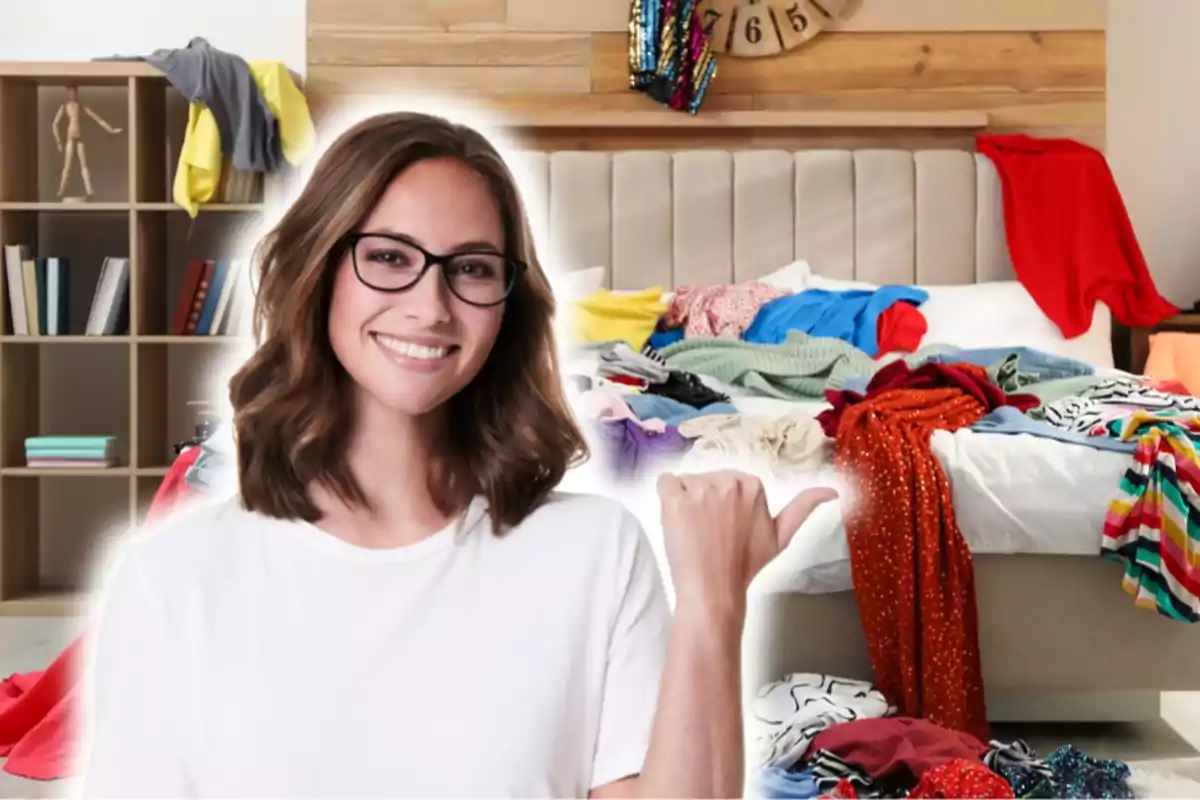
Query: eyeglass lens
x,y
390,265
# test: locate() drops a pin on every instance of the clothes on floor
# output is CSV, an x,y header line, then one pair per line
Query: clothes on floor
x,y
960,779
1175,355
972,380
897,747
1068,772
687,389
1150,526
836,776
912,570
619,359
719,312
634,449
1010,420
1019,765
40,718
606,316
672,412
782,443
661,338
787,714
852,315
1050,391
798,368
902,326
773,783
1070,238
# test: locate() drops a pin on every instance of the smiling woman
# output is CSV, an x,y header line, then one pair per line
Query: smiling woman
x,y
395,601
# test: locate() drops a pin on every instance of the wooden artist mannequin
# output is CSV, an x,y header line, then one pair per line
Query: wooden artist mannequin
x,y
71,108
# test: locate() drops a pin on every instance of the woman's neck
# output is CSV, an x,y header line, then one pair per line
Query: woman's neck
x,y
389,457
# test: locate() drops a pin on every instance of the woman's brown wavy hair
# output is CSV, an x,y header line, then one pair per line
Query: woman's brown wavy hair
x,y
511,437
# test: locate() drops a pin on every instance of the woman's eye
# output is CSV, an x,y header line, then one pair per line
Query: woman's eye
x,y
391,257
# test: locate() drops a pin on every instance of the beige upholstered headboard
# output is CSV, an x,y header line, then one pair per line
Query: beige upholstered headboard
x,y
705,217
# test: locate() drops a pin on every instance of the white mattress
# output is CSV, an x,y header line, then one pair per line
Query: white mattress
x,y
1012,494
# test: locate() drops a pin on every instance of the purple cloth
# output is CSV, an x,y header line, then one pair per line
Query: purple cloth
x,y
631,446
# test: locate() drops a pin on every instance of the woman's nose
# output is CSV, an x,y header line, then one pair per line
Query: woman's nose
x,y
428,301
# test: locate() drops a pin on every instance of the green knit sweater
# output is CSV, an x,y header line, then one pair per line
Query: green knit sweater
x,y
802,367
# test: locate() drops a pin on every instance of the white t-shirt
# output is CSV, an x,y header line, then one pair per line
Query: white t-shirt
x,y
238,655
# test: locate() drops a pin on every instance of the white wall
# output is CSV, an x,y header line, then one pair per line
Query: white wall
x,y
1154,133
75,30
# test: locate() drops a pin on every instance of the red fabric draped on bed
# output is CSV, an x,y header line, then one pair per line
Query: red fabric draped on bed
x,y
913,575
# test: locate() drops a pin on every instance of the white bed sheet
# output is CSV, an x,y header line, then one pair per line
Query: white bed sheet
x,y
1011,493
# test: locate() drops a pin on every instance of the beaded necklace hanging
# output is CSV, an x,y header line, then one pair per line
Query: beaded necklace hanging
x,y
669,55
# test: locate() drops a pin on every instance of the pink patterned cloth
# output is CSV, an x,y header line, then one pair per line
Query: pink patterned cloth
x,y
719,312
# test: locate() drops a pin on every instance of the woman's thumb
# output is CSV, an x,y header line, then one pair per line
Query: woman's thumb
x,y
793,515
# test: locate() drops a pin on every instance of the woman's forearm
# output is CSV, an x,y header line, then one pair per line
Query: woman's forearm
x,y
696,748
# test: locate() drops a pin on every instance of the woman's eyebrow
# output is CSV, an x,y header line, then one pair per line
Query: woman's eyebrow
x,y
476,246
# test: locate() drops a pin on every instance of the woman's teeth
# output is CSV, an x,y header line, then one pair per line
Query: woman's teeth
x,y
411,349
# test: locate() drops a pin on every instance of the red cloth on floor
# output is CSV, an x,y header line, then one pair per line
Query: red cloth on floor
x,y
913,576
39,722
973,380
961,779
897,747
900,328
1069,235
39,710
842,790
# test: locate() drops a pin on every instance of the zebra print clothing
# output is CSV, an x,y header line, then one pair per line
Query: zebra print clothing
x,y
789,713
1092,410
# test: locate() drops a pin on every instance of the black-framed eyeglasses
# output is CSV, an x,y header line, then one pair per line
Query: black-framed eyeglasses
x,y
388,262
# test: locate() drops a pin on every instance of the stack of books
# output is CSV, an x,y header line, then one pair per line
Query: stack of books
x,y
215,300
70,451
39,294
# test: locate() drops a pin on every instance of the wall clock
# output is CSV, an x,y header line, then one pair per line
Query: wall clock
x,y
756,28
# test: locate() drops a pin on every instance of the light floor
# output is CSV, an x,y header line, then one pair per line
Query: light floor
x,y
28,644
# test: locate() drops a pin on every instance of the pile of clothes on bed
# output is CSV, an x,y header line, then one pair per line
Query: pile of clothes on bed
x,y
825,386
822,736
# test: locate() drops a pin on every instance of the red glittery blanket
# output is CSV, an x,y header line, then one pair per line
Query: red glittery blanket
x,y
912,570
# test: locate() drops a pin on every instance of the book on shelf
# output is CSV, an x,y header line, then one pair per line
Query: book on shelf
x,y
212,300
70,451
109,314
39,293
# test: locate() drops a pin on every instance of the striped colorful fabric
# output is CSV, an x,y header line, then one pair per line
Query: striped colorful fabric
x,y
1153,526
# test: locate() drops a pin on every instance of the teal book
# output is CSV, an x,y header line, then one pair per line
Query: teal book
x,y
68,452
87,442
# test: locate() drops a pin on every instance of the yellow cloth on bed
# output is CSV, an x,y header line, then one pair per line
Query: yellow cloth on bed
x,y
1175,356
605,316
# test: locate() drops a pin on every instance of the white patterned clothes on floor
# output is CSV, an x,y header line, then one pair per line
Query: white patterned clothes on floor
x,y
786,443
1092,410
787,714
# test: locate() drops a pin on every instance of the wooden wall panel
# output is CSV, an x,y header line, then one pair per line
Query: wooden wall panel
x,y
1036,66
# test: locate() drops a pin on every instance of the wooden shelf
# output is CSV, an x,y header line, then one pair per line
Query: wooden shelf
x,y
205,208
966,120
135,385
87,207
72,339
66,472
45,604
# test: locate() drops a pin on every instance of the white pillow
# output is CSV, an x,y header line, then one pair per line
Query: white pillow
x,y
794,277
1002,314
576,284
998,314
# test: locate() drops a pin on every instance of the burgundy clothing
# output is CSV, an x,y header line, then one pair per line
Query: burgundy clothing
x,y
883,747
971,379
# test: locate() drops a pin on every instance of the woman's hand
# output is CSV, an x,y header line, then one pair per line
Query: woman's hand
x,y
719,534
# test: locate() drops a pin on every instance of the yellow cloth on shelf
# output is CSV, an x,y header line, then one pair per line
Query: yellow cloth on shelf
x,y
605,316
199,170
